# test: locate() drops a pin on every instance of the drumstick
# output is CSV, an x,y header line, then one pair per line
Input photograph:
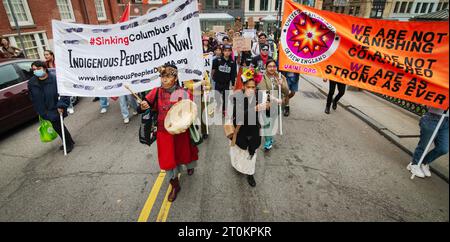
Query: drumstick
x,y
139,100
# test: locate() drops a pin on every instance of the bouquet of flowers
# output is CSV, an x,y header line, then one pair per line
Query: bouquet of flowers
x,y
251,73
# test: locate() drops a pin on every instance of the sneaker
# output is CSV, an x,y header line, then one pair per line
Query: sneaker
x,y
251,180
334,106
103,110
286,111
426,169
135,113
268,145
95,99
127,120
70,110
415,169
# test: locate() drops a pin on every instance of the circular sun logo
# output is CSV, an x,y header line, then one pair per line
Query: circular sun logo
x,y
307,38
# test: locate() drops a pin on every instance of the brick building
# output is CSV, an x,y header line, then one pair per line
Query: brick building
x,y
35,19
138,7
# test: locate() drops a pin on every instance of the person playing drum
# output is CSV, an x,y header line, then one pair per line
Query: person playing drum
x,y
174,150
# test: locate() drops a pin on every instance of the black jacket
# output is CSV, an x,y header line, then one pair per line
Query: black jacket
x,y
44,96
248,136
224,73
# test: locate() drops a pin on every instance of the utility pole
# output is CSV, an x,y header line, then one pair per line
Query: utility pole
x,y
11,9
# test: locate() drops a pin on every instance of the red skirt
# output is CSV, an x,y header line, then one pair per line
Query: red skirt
x,y
174,150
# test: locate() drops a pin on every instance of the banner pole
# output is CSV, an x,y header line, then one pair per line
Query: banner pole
x,y
279,105
63,133
206,111
438,126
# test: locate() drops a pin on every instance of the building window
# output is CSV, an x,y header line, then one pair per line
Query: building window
x,y
21,10
66,10
402,7
237,4
264,5
277,3
100,8
439,6
418,7
357,10
251,5
424,8
397,4
445,5
408,9
34,43
209,4
430,9
350,11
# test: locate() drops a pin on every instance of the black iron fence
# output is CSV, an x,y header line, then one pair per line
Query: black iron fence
x,y
410,106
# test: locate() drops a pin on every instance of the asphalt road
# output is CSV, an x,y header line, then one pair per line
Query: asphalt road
x,y
324,168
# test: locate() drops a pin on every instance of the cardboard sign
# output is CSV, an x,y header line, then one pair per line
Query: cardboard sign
x,y
251,23
217,28
242,44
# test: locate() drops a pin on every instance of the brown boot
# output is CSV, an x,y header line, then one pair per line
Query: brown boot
x,y
175,189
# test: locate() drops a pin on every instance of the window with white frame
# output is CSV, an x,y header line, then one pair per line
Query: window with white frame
x,y
264,5
21,11
35,44
100,8
66,10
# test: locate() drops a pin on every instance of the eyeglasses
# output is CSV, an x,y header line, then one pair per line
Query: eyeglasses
x,y
265,49
101,30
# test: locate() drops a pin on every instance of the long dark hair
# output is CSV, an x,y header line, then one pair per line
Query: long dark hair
x,y
40,64
53,57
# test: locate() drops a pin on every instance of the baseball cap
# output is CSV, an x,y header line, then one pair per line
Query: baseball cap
x,y
227,47
265,47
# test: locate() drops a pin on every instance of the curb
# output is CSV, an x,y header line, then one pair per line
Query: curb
x,y
378,127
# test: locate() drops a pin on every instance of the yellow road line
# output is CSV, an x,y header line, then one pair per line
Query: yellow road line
x,y
165,207
145,213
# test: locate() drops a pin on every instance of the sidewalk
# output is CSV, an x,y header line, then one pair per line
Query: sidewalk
x,y
399,126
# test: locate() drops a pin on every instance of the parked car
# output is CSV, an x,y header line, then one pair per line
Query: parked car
x,y
15,105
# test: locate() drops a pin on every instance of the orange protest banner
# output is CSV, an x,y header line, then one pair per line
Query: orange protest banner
x,y
407,60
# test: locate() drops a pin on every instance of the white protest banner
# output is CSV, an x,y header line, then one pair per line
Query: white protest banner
x,y
249,33
99,60
208,57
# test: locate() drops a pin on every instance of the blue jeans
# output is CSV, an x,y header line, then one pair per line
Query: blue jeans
x,y
104,102
427,125
123,100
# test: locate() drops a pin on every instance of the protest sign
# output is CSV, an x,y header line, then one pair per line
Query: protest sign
x,y
251,23
218,29
242,44
208,58
219,36
99,60
249,33
407,60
